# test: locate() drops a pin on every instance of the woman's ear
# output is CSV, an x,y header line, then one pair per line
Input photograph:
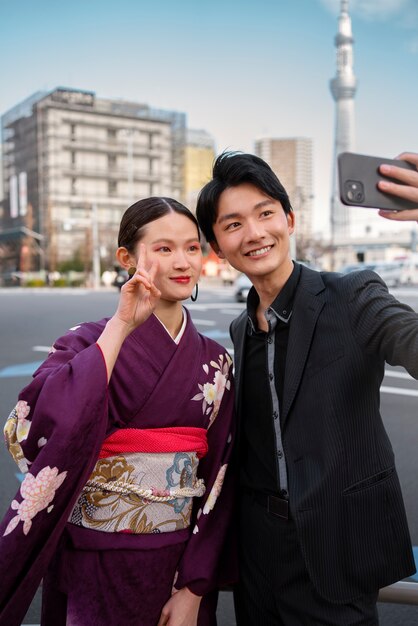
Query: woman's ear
x,y
125,258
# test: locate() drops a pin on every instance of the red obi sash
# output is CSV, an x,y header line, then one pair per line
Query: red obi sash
x,y
175,439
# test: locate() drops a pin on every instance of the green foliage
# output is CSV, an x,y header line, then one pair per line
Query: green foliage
x,y
76,264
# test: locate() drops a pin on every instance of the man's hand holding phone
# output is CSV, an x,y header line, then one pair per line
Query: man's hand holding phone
x,y
407,189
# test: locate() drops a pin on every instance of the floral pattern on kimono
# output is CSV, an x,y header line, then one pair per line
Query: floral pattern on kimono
x,y
16,430
212,391
37,494
72,409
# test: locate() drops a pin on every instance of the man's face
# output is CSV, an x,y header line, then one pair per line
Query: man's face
x,y
252,232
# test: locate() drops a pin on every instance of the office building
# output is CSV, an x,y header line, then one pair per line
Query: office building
x,y
72,163
291,160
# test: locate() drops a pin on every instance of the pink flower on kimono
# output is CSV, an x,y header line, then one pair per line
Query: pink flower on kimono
x,y
220,383
37,493
215,491
23,425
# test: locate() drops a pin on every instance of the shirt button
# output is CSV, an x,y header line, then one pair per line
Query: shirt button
x,y
280,454
271,376
284,312
275,415
269,339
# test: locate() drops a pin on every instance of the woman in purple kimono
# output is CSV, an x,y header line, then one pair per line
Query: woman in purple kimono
x,y
124,436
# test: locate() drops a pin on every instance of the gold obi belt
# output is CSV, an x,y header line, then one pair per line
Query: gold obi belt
x,y
143,482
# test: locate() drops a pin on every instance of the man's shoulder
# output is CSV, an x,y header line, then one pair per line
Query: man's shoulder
x,y
343,279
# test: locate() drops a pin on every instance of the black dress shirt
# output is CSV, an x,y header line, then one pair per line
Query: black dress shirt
x,y
262,455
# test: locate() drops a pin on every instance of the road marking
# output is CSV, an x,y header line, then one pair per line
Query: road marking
x,y
216,334
415,551
231,311
400,392
24,369
204,322
395,374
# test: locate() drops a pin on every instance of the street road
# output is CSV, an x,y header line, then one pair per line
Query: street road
x,y
31,320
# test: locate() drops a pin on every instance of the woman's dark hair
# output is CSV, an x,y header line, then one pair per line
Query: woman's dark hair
x,y
230,170
137,216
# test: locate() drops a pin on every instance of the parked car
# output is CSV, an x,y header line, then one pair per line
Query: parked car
x,y
121,278
242,287
389,271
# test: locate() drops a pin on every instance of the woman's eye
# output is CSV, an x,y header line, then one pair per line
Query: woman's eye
x,y
194,248
267,213
163,249
232,225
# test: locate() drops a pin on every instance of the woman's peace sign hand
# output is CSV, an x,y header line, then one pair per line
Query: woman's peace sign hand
x,y
139,295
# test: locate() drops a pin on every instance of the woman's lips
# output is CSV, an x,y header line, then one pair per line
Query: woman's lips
x,y
183,280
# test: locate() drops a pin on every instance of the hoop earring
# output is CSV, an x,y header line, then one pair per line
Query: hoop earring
x,y
193,298
131,271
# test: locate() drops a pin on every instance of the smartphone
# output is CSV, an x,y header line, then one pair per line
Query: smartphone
x,y
358,177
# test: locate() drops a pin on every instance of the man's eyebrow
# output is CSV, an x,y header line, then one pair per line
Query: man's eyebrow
x,y
228,216
236,214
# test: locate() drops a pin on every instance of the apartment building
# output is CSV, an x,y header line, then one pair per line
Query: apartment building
x,y
72,164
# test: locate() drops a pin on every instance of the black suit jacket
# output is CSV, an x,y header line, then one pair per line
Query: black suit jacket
x,y
343,487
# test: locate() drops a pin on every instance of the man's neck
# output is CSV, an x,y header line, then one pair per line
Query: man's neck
x,y
269,286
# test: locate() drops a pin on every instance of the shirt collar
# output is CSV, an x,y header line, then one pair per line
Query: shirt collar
x,y
282,305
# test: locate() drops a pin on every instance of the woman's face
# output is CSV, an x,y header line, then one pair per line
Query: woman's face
x,y
173,241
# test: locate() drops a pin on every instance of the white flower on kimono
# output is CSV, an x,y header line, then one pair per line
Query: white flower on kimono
x,y
215,491
209,393
23,425
212,392
37,493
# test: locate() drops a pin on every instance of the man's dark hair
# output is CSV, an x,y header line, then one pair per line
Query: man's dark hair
x,y
230,170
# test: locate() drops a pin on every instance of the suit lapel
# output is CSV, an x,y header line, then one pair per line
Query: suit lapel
x,y
309,301
239,331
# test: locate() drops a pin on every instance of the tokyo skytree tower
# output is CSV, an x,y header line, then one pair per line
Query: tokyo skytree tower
x,y
343,88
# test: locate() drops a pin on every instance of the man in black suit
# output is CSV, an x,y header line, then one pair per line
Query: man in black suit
x,y
322,522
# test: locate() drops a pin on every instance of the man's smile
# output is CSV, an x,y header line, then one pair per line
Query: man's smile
x,y
259,251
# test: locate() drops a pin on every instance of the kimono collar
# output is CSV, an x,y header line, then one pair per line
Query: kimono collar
x,y
180,334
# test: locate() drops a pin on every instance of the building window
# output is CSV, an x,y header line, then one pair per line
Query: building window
x,y
72,158
111,161
72,132
113,188
73,186
111,134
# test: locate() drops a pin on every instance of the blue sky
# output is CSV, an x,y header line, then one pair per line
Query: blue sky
x,y
241,70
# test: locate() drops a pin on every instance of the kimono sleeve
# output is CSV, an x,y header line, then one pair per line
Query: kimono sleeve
x,y
54,434
209,560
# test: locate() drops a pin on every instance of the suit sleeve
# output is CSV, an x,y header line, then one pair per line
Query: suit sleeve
x,y
381,324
